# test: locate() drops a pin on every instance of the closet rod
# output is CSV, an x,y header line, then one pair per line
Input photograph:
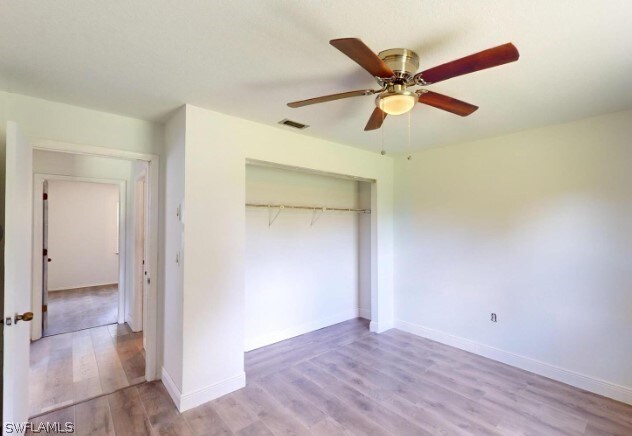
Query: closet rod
x,y
285,206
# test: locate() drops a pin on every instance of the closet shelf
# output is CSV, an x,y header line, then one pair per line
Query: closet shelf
x,y
312,208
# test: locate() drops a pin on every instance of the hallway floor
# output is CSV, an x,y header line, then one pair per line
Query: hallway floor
x,y
72,367
77,309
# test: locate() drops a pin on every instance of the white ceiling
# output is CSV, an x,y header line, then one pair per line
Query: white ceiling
x,y
143,58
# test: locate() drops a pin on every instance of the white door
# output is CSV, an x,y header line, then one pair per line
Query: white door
x,y
17,276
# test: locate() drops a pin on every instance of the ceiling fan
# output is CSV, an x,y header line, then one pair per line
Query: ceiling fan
x,y
394,70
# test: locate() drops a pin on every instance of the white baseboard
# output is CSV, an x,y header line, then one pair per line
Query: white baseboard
x,y
75,287
188,401
380,327
171,387
129,319
595,385
281,335
209,393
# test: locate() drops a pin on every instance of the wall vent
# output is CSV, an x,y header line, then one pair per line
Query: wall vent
x,y
294,124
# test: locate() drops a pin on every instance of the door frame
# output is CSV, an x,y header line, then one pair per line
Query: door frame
x,y
139,301
154,320
38,183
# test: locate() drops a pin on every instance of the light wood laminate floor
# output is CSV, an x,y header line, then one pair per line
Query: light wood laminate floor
x,y
343,380
71,310
72,367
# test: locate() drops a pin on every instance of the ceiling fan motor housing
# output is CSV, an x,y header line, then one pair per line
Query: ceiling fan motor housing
x,y
402,61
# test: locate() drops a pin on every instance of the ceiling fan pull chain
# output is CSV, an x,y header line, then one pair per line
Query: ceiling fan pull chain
x,y
409,135
409,130
383,152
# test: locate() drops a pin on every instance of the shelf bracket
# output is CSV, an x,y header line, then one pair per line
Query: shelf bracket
x,y
316,215
271,218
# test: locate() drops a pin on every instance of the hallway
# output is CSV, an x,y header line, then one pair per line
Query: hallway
x,y
72,367
72,310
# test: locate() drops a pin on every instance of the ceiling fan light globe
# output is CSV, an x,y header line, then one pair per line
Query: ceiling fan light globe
x,y
397,103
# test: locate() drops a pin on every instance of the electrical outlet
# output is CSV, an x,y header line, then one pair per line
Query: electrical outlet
x,y
493,317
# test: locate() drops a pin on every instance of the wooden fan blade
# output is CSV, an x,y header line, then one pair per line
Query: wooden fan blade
x,y
331,97
363,56
446,103
492,57
376,119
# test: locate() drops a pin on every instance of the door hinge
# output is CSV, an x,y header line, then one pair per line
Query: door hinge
x,y
45,252
45,196
44,308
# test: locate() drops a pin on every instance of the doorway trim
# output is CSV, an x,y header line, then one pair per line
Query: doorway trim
x,y
36,298
138,311
153,328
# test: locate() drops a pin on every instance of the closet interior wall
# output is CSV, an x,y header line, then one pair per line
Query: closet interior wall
x,y
307,269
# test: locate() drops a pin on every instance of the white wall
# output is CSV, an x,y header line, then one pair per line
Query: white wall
x,y
216,149
172,273
83,234
300,277
63,122
67,164
536,227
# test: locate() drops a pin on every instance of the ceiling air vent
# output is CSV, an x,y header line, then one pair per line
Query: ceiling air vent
x,y
294,124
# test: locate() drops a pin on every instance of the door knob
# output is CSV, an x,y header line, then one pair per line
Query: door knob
x,y
49,259
26,316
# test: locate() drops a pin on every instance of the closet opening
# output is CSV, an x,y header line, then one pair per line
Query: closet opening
x,y
308,253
